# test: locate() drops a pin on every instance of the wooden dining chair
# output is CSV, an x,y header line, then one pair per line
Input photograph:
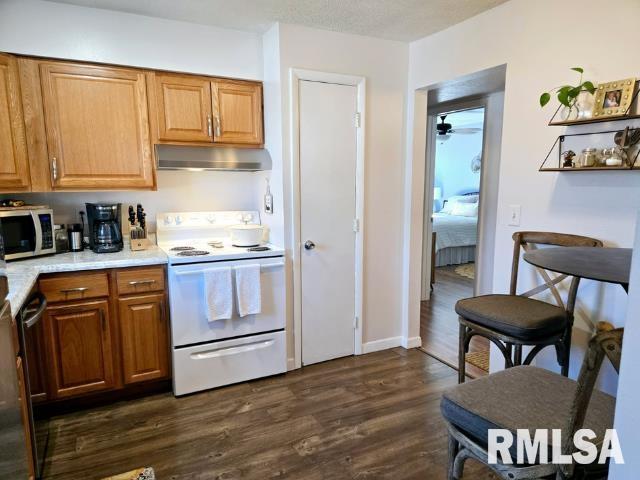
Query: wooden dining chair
x,y
531,398
516,320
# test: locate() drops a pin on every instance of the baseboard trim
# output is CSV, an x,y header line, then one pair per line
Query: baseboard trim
x,y
291,364
411,342
382,344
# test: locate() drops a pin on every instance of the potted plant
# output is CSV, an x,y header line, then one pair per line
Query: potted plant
x,y
576,100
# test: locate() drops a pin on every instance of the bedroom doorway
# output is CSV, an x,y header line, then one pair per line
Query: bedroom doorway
x,y
456,146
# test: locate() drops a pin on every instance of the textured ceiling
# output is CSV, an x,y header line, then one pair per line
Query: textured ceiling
x,y
403,20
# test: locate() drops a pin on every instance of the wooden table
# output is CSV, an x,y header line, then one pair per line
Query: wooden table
x,y
609,265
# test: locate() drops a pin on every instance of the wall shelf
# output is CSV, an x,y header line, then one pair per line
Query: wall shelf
x,y
600,139
632,112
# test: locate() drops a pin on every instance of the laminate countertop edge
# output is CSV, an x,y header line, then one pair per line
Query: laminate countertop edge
x,y
23,274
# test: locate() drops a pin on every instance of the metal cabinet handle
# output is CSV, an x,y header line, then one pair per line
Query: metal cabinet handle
x,y
141,282
209,126
54,168
218,129
74,290
309,245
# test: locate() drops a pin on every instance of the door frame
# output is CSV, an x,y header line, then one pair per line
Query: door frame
x,y
429,179
295,76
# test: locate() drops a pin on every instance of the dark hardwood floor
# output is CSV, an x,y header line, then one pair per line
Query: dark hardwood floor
x,y
439,321
375,416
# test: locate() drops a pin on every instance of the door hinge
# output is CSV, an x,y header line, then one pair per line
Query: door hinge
x,y
356,225
355,323
358,120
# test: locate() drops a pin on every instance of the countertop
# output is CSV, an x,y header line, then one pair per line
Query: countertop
x,y
22,274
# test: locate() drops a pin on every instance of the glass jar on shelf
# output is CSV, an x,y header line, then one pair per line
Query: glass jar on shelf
x,y
589,157
613,157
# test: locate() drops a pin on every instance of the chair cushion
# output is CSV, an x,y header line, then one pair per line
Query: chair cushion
x,y
521,397
521,317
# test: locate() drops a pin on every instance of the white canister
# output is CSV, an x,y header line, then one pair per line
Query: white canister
x,y
246,235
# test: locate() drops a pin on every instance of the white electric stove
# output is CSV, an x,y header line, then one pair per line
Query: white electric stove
x,y
212,354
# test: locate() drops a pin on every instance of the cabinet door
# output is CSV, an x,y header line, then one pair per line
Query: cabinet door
x,y
144,337
97,127
237,110
183,106
80,353
26,417
14,161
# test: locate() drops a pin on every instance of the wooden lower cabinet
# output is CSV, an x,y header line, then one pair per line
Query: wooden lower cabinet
x,y
80,350
144,338
114,337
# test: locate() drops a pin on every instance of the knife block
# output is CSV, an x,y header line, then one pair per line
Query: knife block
x,y
139,244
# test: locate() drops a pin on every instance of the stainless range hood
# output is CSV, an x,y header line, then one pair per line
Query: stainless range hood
x,y
174,157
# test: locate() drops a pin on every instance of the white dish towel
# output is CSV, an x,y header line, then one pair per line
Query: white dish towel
x,y
248,289
218,292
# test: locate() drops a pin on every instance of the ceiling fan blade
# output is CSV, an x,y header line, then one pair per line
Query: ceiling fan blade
x,y
466,131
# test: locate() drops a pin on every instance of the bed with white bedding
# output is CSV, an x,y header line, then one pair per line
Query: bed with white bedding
x,y
456,229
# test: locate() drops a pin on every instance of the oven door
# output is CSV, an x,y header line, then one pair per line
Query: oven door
x,y
189,323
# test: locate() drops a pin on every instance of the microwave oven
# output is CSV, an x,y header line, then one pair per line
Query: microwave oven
x,y
27,232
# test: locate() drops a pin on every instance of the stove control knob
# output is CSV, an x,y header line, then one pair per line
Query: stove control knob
x,y
178,219
211,218
168,220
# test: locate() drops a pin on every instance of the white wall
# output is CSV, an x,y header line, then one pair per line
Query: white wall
x,y
70,32
384,64
526,37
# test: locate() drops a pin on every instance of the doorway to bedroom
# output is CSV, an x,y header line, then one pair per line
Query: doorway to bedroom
x,y
456,150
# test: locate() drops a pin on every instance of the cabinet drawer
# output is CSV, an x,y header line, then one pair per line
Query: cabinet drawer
x,y
75,286
140,280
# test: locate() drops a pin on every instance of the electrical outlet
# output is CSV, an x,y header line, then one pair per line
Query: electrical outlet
x,y
514,215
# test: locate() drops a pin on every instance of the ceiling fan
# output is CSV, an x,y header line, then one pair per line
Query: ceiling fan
x,y
445,130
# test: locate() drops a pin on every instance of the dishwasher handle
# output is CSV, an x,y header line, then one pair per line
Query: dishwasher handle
x,y
32,316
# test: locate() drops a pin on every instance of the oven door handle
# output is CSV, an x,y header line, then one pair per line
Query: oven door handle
x,y
34,315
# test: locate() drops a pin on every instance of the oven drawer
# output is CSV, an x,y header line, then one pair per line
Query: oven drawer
x,y
75,286
230,361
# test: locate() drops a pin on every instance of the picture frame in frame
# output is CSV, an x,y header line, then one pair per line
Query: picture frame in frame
x,y
613,99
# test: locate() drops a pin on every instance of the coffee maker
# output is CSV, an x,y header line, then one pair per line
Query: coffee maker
x,y
105,231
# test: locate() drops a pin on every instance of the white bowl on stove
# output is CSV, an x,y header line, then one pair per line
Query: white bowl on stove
x,y
246,235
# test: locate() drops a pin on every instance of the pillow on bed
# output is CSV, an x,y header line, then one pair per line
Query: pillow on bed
x,y
451,201
465,209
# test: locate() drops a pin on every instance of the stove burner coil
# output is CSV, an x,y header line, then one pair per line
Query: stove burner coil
x,y
192,253
182,249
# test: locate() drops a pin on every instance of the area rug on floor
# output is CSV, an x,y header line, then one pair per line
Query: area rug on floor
x,y
467,270
479,359
145,473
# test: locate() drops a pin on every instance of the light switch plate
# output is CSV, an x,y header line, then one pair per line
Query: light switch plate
x,y
514,215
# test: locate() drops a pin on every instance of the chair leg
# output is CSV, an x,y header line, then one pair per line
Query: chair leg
x,y
566,353
462,336
517,356
509,348
453,452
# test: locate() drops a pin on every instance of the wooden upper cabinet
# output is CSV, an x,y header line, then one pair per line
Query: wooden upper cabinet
x,y
183,108
14,160
79,347
97,126
237,112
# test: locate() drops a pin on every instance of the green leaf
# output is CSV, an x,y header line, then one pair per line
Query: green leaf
x,y
578,69
589,87
563,96
574,92
544,99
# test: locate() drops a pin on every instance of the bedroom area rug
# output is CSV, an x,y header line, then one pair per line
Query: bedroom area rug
x,y
468,270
